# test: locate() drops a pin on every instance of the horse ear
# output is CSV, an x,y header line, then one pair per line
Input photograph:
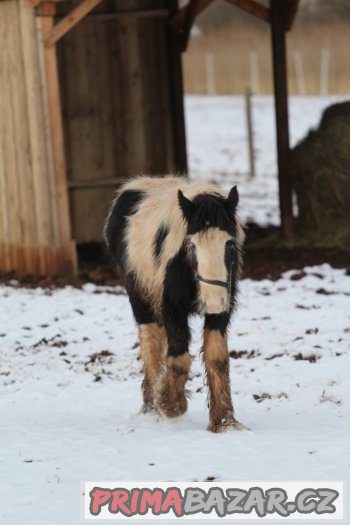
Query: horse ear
x,y
185,204
233,197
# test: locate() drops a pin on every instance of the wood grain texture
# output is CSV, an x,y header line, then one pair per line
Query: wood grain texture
x,y
116,101
55,33
29,242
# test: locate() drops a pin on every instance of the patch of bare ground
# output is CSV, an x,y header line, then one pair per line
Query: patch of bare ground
x,y
266,257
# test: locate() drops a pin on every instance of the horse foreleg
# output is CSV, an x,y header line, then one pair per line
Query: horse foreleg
x,y
152,345
170,393
216,359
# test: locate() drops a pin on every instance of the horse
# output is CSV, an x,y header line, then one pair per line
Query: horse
x,y
178,245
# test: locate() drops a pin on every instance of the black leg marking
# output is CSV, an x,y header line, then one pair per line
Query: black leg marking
x,y
142,309
217,322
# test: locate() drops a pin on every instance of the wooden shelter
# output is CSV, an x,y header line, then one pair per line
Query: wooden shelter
x,y
91,93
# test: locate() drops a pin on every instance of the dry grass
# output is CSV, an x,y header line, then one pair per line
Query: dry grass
x,y
232,46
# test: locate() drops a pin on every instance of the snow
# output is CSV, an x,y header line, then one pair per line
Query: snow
x,y
217,145
60,426
70,375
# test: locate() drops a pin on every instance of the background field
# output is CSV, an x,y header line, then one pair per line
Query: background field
x,y
235,48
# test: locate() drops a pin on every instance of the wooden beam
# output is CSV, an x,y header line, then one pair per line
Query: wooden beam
x,y
95,183
46,9
253,7
69,21
182,21
177,96
177,21
278,36
138,13
191,11
32,3
292,8
66,251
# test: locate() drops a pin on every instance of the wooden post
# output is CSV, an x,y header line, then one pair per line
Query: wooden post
x,y
176,94
248,110
278,18
66,250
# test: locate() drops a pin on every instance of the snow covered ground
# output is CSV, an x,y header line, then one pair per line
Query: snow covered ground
x,y
70,377
70,394
217,145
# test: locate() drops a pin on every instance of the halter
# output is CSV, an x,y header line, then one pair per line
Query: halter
x,y
223,284
215,282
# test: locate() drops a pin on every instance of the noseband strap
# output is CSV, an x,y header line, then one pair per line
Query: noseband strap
x,y
223,284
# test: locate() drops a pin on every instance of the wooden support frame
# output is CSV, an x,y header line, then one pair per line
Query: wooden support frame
x,y
278,40
292,8
253,7
183,20
177,21
177,95
188,22
54,130
69,21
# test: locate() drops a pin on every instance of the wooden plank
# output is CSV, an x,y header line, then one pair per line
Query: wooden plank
x,y
107,159
191,11
177,96
278,17
46,9
292,8
68,22
32,3
24,161
139,13
254,8
117,64
39,162
66,247
177,20
95,183
5,238
9,17
154,70
50,257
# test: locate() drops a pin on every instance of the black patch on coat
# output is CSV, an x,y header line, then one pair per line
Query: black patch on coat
x,y
232,256
126,205
162,234
210,211
141,307
179,300
218,322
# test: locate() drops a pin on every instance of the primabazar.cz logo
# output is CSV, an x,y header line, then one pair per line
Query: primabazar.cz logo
x,y
216,500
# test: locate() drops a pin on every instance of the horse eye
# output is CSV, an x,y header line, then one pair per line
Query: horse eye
x,y
230,244
191,248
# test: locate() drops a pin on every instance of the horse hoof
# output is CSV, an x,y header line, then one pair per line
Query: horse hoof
x,y
224,426
176,409
148,408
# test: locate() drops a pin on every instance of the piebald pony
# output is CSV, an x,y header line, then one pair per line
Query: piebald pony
x,y
178,245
